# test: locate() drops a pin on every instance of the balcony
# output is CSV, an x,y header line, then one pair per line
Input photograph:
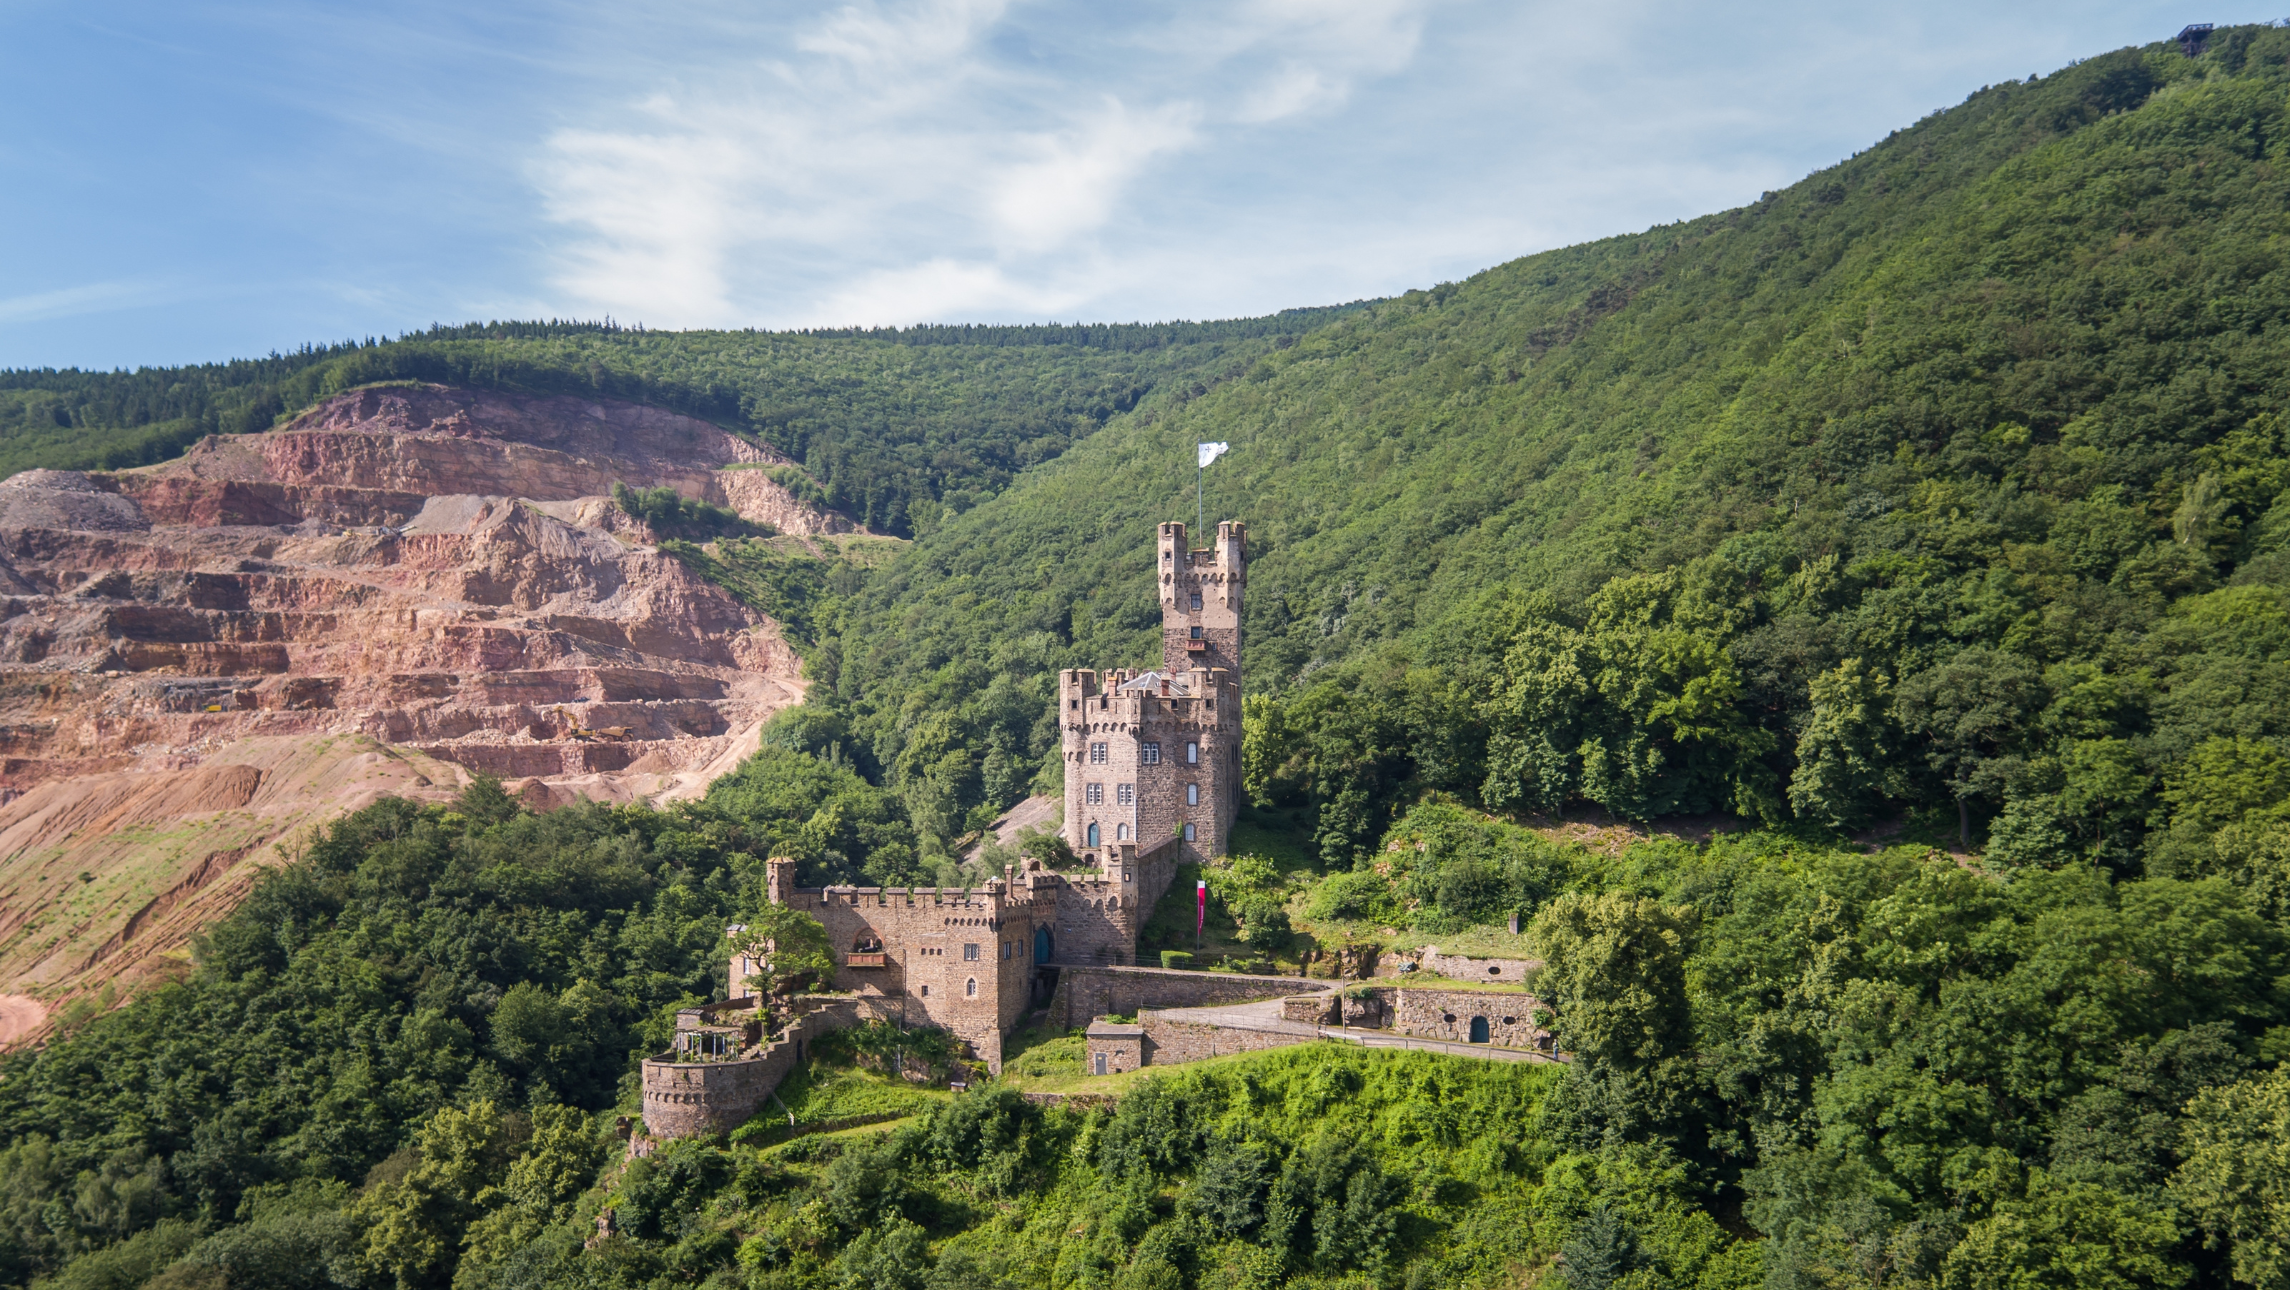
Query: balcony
x,y
1196,645
873,960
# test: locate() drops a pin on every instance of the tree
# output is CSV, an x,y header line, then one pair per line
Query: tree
x,y
1973,711
792,946
1848,757
2068,1236
415,1220
2235,1180
1614,969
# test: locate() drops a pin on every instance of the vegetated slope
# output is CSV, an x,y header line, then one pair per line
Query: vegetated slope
x,y
895,427
398,1063
1948,475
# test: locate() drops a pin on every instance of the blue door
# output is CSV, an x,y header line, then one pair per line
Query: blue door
x,y
1041,945
1093,835
1478,1030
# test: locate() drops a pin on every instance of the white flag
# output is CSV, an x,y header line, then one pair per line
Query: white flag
x,y
1211,451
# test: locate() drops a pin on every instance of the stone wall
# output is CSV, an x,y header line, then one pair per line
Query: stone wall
x,y
687,1099
1113,1049
1171,1043
1087,992
1458,968
1447,1014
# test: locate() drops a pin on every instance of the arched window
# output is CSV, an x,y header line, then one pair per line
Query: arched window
x,y
1092,835
970,989
1192,752
1121,833
1192,795
1188,833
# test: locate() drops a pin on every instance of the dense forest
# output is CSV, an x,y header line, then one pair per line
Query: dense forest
x,y
1918,533
901,426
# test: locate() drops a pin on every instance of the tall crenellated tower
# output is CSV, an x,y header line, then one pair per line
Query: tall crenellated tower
x,y
1200,598
1154,757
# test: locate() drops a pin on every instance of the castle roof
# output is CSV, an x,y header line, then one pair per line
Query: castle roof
x,y
1155,681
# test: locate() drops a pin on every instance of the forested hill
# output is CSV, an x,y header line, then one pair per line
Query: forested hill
x,y
1945,479
897,425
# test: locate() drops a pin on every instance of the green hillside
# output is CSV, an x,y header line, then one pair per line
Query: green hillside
x,y
1916,536
1944,479
897,426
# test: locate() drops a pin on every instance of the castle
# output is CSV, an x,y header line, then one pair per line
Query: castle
x,y
1152,780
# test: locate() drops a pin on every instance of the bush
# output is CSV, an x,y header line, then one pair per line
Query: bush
x,y
1177,960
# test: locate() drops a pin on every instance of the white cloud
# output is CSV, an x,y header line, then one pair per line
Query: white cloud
x,y
67,302
921,159
1071,187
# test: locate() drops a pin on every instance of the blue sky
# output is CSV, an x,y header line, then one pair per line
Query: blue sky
x,y
188,181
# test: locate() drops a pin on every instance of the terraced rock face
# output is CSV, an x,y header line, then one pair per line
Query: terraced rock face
x,y
403,587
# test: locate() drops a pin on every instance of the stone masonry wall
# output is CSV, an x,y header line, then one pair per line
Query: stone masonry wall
x,y
1193,723
1171,1043
1447,1014
1458,968
1087,992
687,1099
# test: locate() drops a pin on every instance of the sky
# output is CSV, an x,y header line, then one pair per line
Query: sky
x,y
190,181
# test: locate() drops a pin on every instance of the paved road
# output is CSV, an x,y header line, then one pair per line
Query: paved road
x,y
1266,1015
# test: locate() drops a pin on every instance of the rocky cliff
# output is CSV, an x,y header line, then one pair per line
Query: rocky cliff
x,y
401,588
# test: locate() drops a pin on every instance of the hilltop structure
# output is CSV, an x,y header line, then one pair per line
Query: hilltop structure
x,y
1154,757
1152,779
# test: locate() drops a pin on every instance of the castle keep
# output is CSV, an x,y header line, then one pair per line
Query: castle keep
x,y
1154,757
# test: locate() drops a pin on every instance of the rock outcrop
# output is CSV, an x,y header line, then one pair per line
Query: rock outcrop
x,y
406,586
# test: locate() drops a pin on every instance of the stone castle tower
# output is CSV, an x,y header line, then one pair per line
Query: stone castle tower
x,y
1154,757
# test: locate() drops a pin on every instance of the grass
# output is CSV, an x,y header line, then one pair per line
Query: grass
x,y
821,1093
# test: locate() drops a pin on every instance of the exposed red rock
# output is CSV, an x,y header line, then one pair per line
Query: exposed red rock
x,y
403,586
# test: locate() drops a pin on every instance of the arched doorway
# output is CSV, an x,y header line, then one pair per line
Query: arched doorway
x,y
1092,835
1478,1030
1041,945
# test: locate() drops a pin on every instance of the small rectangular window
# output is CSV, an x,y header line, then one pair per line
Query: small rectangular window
x,y
1192,753
1097,754
1073,703
1192,795
1094,794
1005,951
1196,633
970,952
1150,754
1127,793
1196,600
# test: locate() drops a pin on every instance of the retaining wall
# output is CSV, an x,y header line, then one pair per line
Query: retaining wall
x,y
689,1099
1171,1043
1085,993
1447,1014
